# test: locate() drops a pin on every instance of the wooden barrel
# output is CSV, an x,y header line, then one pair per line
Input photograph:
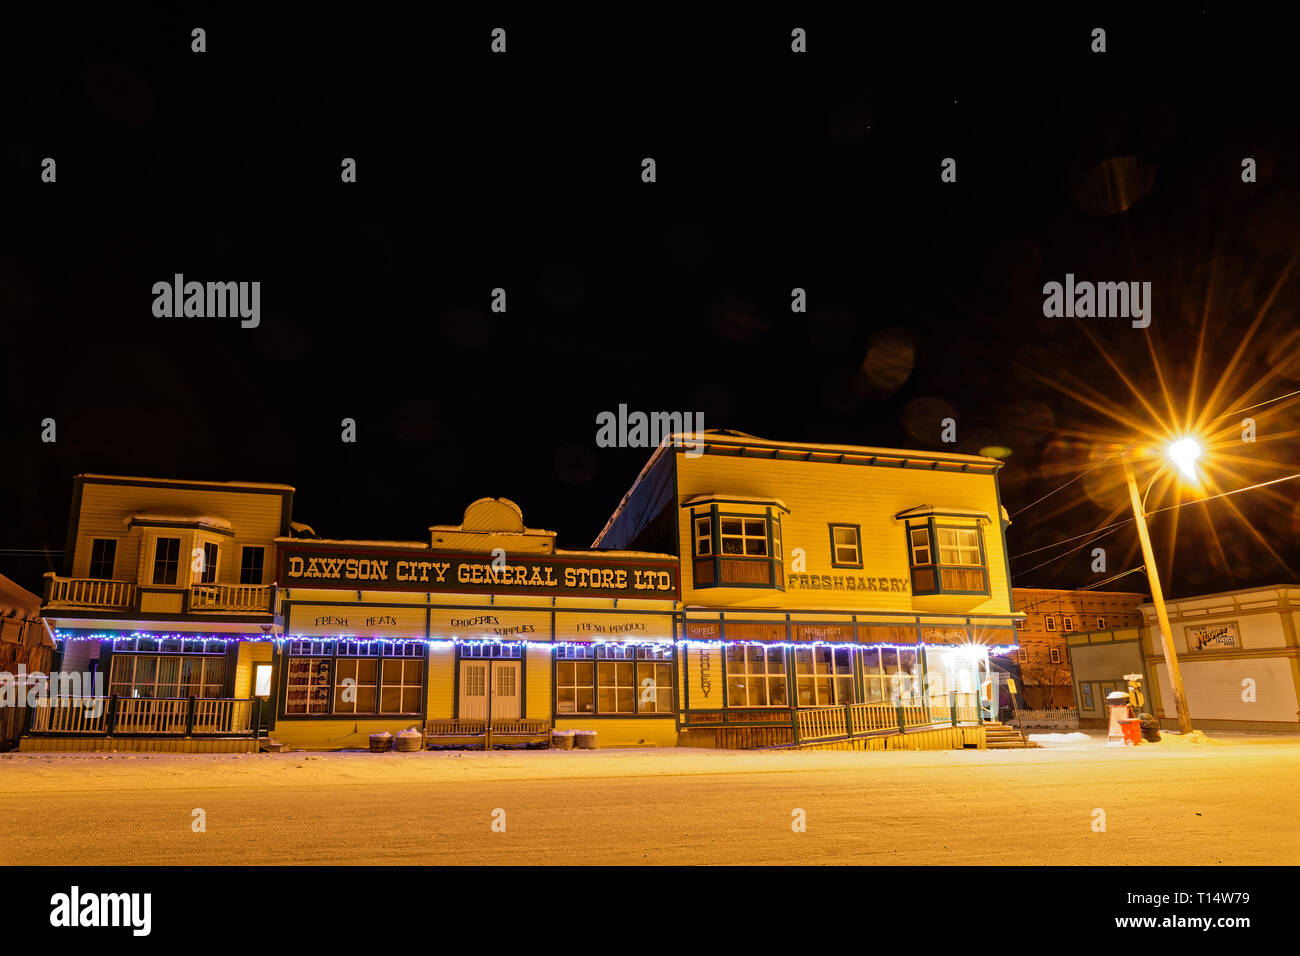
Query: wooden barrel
x,y
562,739
381,743
407,743
585,740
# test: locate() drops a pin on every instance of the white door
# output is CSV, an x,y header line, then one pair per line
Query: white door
x,y
479,677
505,690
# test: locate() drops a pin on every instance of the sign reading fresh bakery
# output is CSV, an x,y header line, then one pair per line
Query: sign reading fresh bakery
x,y
395,569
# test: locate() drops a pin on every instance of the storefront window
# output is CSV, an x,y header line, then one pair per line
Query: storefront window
x,y
353,677
889,673
614,679
824,675
756,676
156,675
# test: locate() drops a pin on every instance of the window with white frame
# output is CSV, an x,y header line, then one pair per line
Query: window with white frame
x,y
1022,655
354,677
1101,624
1054,655
614,679
756,676
166,560
167,675
1050,622
1067,623
209,575
823,675
846,546
959,546
703,536
889,673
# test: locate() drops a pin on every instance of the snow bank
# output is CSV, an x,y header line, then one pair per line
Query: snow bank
x,y
1056,740
1195,738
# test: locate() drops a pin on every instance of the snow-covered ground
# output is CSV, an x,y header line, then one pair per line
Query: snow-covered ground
x,y
1230,802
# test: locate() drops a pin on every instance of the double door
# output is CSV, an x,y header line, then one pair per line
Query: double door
x,y
489,689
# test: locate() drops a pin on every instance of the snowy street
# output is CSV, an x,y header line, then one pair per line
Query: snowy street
x,y
1177,803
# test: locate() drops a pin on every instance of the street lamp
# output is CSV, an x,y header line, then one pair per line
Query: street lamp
x,y
1182,453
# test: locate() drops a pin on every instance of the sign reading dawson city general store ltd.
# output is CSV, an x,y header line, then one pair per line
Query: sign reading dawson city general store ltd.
x,y
398,569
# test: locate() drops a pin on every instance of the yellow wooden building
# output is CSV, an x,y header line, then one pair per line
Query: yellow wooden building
x,y
745,593
835,580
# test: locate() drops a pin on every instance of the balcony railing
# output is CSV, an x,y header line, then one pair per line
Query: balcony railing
x,y
121,595
144,716
231,597
89,592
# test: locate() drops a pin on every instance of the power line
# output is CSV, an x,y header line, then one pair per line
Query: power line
x,y
1114,577
1066,553
1066,485
1268,401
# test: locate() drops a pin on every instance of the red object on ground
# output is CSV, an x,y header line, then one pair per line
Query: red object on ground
x,y
1132,729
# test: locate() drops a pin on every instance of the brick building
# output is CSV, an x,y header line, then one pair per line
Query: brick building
x,y
1052,614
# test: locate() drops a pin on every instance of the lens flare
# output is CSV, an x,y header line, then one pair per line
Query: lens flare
x,y
1184,453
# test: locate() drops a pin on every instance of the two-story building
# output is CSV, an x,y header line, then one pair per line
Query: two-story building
x,y
816,577
167,594
746,593
1051,615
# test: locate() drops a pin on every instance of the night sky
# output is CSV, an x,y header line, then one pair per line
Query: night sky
x,y
523,171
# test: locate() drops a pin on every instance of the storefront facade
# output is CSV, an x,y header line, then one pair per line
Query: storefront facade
x,y
817,577
1239,656
759,594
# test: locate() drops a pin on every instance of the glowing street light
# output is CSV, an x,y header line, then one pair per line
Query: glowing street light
x,y
1182,453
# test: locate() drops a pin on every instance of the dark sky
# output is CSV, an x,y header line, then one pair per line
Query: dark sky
x,y
522,171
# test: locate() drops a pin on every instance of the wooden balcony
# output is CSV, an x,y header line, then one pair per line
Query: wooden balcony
x,y
249,598
97,594
88,592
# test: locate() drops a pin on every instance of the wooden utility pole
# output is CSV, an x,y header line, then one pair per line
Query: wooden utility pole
x,y
1158,599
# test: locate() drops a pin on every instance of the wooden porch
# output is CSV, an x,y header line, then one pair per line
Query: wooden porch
x,y
168,724
841,724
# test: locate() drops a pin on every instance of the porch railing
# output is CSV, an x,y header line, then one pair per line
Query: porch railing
x,y
144,716
840,721
89,592
230,597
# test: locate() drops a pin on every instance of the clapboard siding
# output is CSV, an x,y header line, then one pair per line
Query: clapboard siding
x,y
338,734
441,682
251,653
538,683
632,732
820,494
255,518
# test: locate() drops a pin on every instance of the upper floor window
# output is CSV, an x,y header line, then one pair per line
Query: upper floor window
x,y
1067,623
1050,622
250,565
737,550
166,560
103,553
846,546
947,560
1054,655
209,574
703,536
1101,624
747,536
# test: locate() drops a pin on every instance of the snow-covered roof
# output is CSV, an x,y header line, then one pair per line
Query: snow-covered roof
x,y
154,517
921,511
738,499
316,542
18,602
184,481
